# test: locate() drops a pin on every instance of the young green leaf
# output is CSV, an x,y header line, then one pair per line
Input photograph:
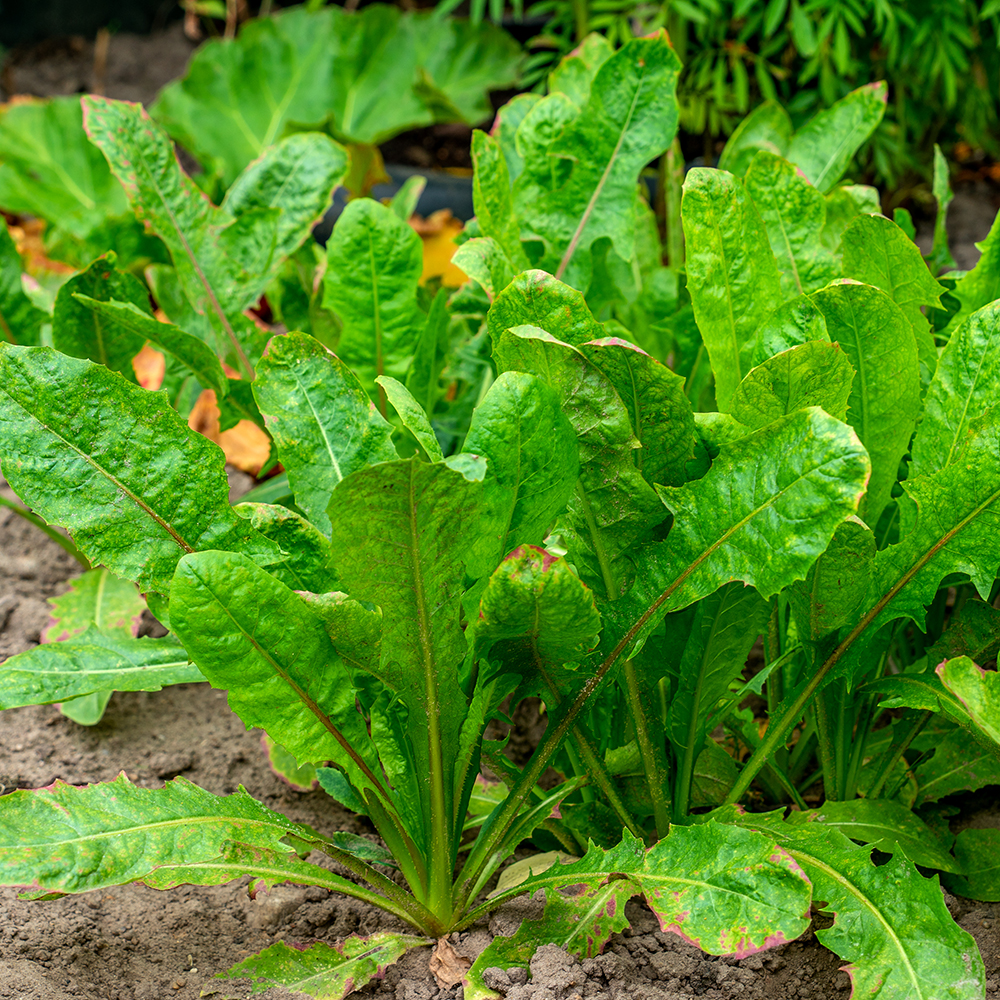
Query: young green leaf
x,y
767,127
115,465
805,469
793,212
630,118
82,332
532,462
794,322
186,349
955,767
732,276
99,660
20,320
97,597
976,852
940,258
492,198
374,263
815,373
323,424
978,690
654,397
885,396
890,924
321,971
537,597
966,384
824,147
412,415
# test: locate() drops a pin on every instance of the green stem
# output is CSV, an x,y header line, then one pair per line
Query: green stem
x,y
581,18
671,184
897,750
652,751
57,536
862,727
827,751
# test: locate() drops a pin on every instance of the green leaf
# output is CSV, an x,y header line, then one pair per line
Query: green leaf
x,y
579,184
732,276
96,661
806,470
891,924
767,127
980,286
49,169
716,886
63,839
321,971
82,332
976,851
493,200
300,778
190,351
794,322
940,258
966,384
574,74
113,463
613,505
978,690
812,374
413,416
532,462
973,631
374,263
484,261
366,75
824,147
956,767
885,396
96,597
884,824
20,321
877,252
834,588
307,562
657,406
323,424
252,636
404,201
537,597
793,212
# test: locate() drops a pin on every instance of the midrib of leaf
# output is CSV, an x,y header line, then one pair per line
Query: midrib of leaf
x,y
63,176
584,922
377,318
209,291
571,249
149,668
965,410
862,372
865,903
302,695
138,501
99,598
319,423
849,136
953,771
788,248
597,540
102,351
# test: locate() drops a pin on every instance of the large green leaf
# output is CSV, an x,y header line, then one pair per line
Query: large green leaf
x,y
401,531
85,333
49,169
537,597
765,510
955,767
815,373
794,322
885,396
824,147
579,183
731,272
794,213
366,76
493,200
63,839
532,462
321,971
20,320
115,465
254,637
879,253
891,924
613,505
884,824
96,661
966,384
323,424
374,263
657,406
